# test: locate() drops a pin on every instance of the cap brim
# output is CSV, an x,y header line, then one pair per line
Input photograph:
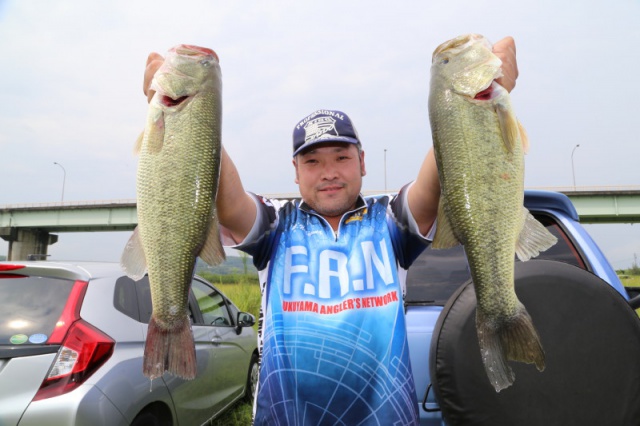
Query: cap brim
x,y
321,141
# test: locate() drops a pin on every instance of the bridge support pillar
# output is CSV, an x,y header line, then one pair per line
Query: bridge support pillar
x,y
27,244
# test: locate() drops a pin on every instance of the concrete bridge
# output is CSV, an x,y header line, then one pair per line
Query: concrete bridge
x,y
31,228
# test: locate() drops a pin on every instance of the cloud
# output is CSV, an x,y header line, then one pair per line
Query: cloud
x,y
72,84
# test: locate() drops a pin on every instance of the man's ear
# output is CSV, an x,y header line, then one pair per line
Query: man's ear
x,y
363,169
295,166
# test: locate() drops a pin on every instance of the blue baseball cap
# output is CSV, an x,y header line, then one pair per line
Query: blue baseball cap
x,y
323,126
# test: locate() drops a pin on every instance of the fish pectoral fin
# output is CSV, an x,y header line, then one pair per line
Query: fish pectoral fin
x,y
212,251
138,145
534,238
133,261
444,237
155,131
509,126
523,137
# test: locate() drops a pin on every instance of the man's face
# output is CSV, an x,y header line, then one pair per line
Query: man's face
x,y
330,177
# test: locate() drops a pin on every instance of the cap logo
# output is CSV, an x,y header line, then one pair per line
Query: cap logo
x,y
317,127
323,126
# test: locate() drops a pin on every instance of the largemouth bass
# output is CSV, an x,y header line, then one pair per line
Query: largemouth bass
x,y
177,182
479,147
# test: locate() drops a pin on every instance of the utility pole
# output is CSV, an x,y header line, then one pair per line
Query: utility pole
x,y
573,170
385,170
64,178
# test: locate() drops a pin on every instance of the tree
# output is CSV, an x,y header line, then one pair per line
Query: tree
x,y
244,257
635,268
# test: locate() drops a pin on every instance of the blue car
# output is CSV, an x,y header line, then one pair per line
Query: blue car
x,y
585,318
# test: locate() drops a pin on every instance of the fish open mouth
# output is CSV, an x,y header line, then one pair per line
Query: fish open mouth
x,y
486,94
170,102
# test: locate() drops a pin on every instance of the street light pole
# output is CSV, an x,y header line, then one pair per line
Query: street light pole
x,y
385,170
573,170
64,178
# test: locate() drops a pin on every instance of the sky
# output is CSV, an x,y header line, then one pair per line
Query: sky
x,y
72,71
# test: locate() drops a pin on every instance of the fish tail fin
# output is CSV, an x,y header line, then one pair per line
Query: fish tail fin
x,y
513,339
170,350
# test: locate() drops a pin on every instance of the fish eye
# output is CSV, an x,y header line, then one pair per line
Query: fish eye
x,y
445,61
205,63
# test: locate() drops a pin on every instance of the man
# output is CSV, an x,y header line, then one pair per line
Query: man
x,y
332,332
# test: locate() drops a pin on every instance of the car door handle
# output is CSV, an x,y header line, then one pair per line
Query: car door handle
x,y
216,341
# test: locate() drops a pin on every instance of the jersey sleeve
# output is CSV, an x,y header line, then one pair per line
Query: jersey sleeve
x,y
260,239
405,233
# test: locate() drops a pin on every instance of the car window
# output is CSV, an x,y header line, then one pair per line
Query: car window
x,y
133,298
143,290
30,308
564,250
212,304
125,298
437,274
233,309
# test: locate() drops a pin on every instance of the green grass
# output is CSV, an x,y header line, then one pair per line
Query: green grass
x,y
244,294
238,415
244,291
630,280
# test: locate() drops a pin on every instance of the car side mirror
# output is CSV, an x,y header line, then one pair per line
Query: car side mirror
x,y
245,319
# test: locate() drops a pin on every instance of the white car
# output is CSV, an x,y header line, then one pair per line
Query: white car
x,y
71,346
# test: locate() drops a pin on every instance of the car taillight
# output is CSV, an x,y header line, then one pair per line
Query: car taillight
x,y
10,267
83,349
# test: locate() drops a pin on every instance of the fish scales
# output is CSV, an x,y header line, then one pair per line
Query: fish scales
x,y
479,148
176,216
483,162
177,183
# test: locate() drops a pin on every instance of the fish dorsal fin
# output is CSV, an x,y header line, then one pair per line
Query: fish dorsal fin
x,y
133,260
509,126
444,238
534,238
212,251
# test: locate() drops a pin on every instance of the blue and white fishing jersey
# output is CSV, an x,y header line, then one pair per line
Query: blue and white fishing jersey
x,y
332,329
